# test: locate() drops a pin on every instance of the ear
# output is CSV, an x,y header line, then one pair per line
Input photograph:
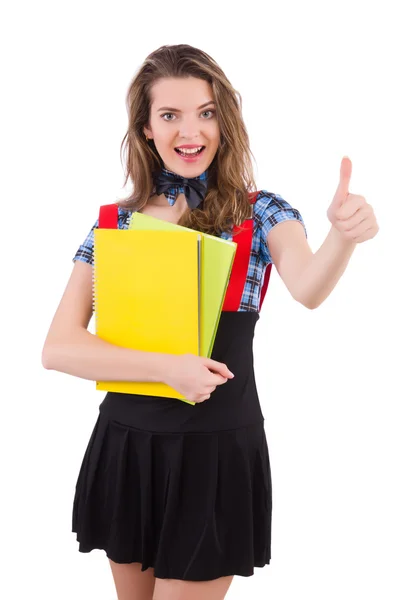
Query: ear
x,y
147,131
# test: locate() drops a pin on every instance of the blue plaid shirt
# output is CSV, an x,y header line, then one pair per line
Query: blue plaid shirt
x,y
268,210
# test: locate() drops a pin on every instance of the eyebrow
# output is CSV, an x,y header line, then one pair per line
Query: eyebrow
x,y
177,109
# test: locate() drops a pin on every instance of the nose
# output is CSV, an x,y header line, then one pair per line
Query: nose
x,y
189,128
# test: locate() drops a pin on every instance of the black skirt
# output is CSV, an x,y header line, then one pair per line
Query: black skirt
x,y
195,506
159,487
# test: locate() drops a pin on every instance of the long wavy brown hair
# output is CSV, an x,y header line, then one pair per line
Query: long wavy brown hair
x,y
230,175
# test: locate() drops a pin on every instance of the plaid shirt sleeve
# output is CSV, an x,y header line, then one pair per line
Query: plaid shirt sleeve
x,y
85,252
270,210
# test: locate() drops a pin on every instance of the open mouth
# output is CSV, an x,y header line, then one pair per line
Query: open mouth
x,y
189,152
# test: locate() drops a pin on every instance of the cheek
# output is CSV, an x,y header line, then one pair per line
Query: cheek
x,y
212,138
164,134
164,140
163,131
216,134
216,140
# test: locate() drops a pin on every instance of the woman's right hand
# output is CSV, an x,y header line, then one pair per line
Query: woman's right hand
x,y
195,377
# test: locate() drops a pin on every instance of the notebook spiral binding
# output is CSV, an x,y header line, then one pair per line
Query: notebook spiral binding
x,y
94,281
94,300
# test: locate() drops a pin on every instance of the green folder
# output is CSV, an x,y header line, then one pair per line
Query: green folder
x,y
216,265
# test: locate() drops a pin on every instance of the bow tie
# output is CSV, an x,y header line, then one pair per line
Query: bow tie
x,y
193,188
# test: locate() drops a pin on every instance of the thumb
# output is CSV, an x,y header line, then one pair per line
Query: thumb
x,y
218,367
342,191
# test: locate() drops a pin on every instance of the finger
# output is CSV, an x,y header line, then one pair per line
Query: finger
x,y
358,231
348,224
352,204
342,191
367,235
345,174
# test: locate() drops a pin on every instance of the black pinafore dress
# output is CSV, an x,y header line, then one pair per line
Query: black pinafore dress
x,y
185,489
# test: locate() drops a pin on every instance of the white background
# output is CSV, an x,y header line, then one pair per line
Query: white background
x,y
318,82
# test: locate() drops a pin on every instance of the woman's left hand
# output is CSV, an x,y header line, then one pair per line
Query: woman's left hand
x,y
349,213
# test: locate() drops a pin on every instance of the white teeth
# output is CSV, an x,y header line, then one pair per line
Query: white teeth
x,y
189,150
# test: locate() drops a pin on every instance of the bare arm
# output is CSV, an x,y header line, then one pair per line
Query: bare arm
x,y
71,349
323,271
310,277
87,356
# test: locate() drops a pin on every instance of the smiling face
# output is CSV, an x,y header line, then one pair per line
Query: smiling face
x,y
183,115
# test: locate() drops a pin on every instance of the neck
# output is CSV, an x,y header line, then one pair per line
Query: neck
x,y
179,206
202,176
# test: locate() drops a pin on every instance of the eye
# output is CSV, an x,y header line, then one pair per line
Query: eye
x,y
172,114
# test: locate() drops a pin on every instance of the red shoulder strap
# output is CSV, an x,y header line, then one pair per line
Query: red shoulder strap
x,y
239,272
108,216
108,219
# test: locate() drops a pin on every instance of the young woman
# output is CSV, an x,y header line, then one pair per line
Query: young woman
x,y
180,496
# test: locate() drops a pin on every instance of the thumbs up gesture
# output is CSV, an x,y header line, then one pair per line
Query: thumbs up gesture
x,y
349,213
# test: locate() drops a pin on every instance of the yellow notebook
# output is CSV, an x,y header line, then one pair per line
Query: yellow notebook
x,y
217,259
147,297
